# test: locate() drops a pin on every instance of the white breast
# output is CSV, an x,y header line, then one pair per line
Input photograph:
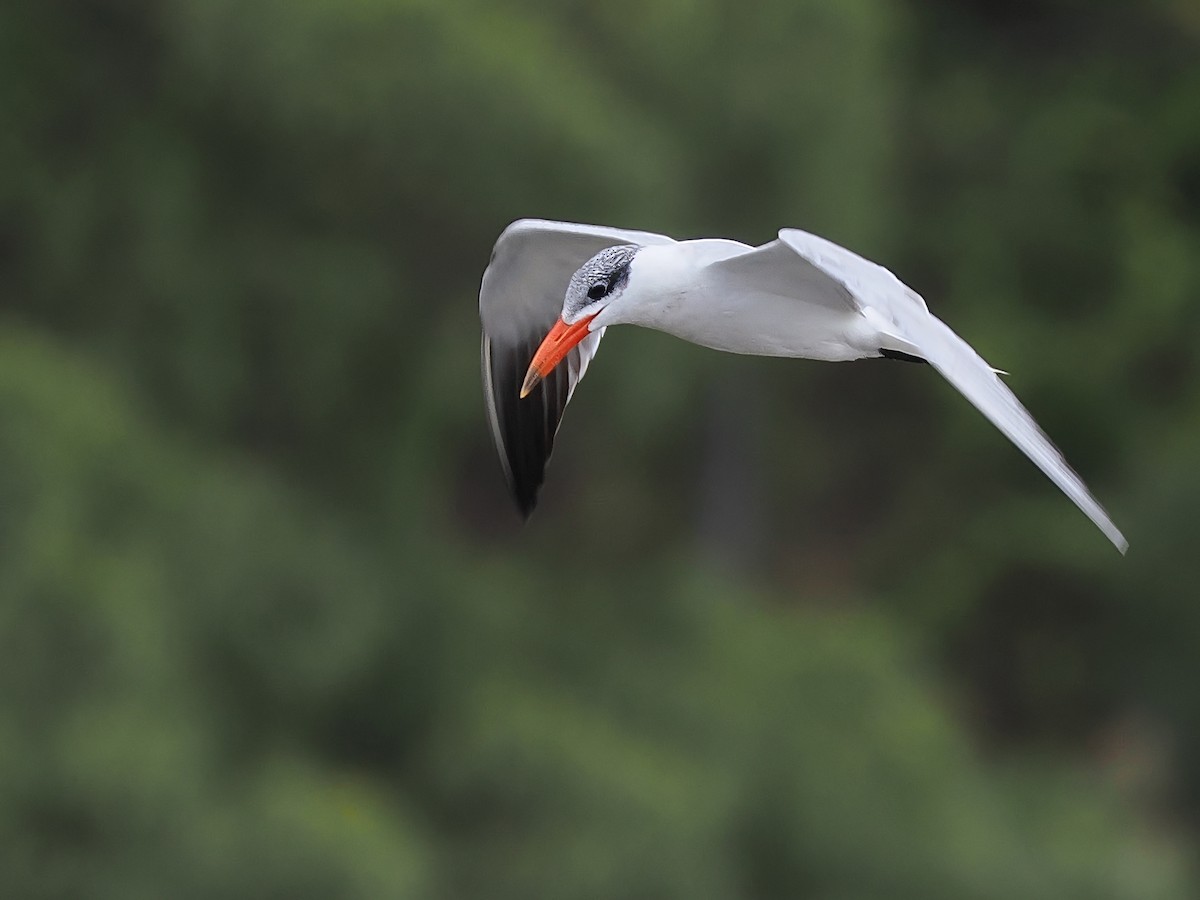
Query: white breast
x,y
676,289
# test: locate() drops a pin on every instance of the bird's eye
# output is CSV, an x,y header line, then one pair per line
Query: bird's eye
x,y
597,291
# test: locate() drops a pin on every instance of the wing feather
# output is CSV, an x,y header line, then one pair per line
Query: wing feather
x,y
900,313
520,298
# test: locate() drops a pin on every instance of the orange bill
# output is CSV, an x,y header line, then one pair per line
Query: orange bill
x,y
554,348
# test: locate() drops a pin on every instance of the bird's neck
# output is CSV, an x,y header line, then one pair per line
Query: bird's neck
x,y
663,282
659,281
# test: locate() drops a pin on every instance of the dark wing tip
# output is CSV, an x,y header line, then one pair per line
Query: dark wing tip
x,y
525,496
523,428
900,355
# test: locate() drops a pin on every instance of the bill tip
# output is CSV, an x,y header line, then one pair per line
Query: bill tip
x,y
532,378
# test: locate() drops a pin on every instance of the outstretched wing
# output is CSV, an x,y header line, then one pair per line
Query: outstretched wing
x,y
901,316
520,298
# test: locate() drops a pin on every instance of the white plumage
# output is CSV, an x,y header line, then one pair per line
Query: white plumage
x,y
553,287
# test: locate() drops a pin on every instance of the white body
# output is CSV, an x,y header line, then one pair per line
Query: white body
x,y
676,289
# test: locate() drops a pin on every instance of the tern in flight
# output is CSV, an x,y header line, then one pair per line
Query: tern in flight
x,y
552,288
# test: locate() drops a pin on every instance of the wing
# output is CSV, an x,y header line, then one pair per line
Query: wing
x,y
901,317
520,299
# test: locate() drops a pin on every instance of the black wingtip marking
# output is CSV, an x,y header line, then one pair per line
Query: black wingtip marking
x,y
527,425
901,355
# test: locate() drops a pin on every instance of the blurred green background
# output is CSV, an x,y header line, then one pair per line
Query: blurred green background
x,y
269,626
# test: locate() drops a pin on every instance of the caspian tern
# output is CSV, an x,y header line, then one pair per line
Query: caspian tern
x,y
552,288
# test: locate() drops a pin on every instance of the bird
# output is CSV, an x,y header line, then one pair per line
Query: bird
x,y
551,290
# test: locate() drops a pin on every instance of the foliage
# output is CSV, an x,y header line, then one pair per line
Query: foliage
x,y
267,626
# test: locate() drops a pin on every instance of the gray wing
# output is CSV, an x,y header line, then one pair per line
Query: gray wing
x,y
900,314
520,299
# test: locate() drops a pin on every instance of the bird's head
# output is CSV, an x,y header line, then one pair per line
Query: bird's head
x,y
595,286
